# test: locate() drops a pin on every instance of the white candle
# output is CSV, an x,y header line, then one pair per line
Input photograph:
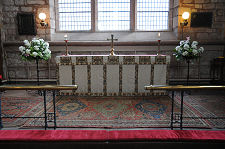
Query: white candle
x,y
159,35
65,36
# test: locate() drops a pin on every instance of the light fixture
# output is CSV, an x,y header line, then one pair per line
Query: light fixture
x,y
185,17
42,17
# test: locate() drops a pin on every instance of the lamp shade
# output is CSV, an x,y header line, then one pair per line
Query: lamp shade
x,y
42,16
185,15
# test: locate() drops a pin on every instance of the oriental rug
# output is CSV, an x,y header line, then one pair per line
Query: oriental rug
x,y
131,112
115,112
19,107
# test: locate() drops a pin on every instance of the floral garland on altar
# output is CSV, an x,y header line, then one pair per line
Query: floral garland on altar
x,y
35,49
188,50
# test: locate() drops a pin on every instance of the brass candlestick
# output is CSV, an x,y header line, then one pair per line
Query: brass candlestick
x,y
67,53
66,41
158,52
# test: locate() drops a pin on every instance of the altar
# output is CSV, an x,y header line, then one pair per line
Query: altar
x,y
119,75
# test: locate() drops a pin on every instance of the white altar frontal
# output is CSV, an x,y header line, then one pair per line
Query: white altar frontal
x,y
120,75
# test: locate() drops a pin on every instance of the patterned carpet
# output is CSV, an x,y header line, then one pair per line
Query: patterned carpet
x,y
207,106
119,112
22,105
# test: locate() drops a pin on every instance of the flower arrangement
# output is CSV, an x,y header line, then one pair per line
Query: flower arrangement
x,y
35,49
188,50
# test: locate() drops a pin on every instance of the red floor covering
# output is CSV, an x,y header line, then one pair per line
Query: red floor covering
x,y
111,135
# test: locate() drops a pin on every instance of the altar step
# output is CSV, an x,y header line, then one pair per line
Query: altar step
x,y
131,139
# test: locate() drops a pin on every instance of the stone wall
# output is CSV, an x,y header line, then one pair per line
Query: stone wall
x,y
217,32
1,48
217,7
212,39
10,10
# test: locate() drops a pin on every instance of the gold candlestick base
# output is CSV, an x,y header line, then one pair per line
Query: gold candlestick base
x,y
158,52
112,52
67,52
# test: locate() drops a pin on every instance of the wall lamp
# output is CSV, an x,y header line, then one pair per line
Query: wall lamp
x,y
42,17
185,17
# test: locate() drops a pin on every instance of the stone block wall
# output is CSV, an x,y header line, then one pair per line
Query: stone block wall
x,y
10,10
217,7
1,48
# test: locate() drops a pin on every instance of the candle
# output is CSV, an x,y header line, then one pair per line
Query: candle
x,y
159,35
65,36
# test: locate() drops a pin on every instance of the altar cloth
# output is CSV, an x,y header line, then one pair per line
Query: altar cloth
x,y
120,75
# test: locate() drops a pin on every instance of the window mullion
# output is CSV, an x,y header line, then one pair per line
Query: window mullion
x,y
133,15
94,15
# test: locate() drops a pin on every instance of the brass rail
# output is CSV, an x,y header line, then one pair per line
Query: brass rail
x,y
181,87
45,87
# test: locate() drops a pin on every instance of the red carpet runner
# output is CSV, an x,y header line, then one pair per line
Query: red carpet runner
x,y
111,135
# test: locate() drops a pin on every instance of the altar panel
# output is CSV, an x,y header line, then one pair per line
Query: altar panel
x,y
144,77
128,79
97,79
68,79
81,79
159,74
112,79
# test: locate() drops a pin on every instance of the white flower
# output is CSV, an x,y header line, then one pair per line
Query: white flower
x,y
193,46
187,42
194,43
185,53
195,52
36,41
27,43
34,54
46,44
181,43
178,48
35,48
42,40
47,51
27,51
186,46
22,48
188,50
201,49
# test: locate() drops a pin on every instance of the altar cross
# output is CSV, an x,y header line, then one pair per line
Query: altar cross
x,y
112,44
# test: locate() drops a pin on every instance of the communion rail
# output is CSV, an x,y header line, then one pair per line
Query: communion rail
x,y
175,118
178,117
43,90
